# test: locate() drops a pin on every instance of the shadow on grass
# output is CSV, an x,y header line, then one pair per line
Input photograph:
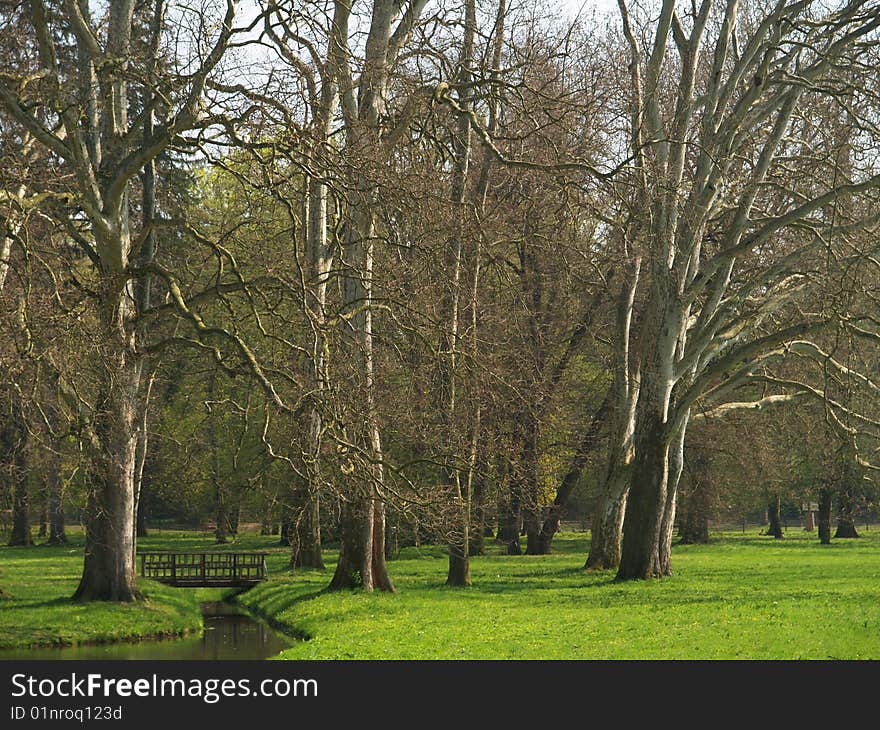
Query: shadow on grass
x,y
50,603
272,600
796,540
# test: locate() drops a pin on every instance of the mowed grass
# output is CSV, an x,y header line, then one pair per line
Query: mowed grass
x,y
741,597
36,610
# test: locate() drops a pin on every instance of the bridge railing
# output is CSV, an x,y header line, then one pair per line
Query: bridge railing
x,y
204,568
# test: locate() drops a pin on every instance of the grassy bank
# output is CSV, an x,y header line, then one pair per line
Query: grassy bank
x,y
743,596
36,610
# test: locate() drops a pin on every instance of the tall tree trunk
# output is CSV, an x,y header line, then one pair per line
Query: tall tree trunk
x,y
774,524
108,568
511,519
647,500
13,431
306,537
607,528
530,486
363,544
362,552
667,527
477,535
846,512
474,518
15,446
288,525
21,521
694,528
476,480
218,489
824,516
650,510
459,571
57,535
143,283
43,529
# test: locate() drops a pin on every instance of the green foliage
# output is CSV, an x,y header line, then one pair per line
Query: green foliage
x,y
579,396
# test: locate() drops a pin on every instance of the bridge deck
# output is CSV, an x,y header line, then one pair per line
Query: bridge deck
x,y
205,569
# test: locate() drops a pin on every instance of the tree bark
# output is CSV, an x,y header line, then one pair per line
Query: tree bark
x,y
698,503
306,537
647,501
142,528
288,526
667,527
43,529
824,516
509,532
774,524
15,446
695,521
846,513
141,473
57,535
362,551
656,465
607,526
218,489
144,282
477,534
108,568
529,486
459,571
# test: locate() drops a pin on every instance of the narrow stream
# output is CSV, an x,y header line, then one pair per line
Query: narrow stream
x,y
228,634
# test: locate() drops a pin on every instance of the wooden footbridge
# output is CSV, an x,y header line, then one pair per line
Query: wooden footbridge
x,y
205,570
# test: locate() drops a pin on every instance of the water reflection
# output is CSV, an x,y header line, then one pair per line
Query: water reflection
x,y
228,634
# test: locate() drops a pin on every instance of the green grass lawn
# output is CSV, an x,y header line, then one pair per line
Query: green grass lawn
x,y
36,610
743,596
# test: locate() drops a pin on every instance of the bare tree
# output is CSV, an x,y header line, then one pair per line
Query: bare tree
x,y
84,122
363,101
727,238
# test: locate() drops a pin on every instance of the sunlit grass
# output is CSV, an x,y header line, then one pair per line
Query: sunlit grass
x,y
36,609
743,596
